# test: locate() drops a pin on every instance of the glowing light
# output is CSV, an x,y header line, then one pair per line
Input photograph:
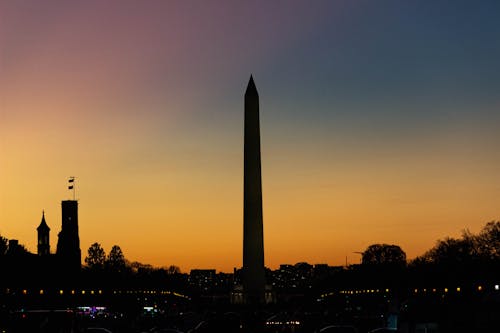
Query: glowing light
x,y
479,288
458,289
61,292
41,291
445,290
497,287
25,291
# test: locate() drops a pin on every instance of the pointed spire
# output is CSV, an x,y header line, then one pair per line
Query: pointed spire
x,y
43,225
251,88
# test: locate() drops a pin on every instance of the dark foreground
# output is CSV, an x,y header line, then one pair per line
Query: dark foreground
x,y
423,311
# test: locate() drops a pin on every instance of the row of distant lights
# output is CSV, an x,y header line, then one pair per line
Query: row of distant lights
x,y
458,289
416,290
100,292
292,322
72,292
353,292
343,292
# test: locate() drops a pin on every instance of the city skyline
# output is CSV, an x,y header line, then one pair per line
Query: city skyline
x,y
380,125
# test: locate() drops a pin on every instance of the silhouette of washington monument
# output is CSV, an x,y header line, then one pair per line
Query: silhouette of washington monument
x,y
253,240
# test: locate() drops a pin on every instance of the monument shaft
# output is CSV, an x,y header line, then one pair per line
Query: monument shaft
x,y
253,238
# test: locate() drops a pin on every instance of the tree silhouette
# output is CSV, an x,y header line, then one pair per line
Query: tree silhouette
x,y
468,248
116,260
378,254
463,260
488,241
172,269
96,257
138,267
451,250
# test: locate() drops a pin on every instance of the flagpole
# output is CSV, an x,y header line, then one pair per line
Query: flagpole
x,y
71,181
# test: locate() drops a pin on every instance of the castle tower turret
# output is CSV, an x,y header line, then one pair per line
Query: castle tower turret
x,y
68,244
43,237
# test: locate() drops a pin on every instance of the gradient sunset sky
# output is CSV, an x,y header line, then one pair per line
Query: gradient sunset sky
x,y
380,123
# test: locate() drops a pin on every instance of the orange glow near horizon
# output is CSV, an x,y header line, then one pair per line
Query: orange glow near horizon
x,y
315,210
367,136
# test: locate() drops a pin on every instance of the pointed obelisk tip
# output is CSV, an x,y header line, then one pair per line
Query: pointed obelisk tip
x,y
251,85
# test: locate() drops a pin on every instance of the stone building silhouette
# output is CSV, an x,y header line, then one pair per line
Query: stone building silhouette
x,y
68,244
43,237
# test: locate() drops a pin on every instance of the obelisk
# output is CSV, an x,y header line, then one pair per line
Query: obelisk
x,y
253,239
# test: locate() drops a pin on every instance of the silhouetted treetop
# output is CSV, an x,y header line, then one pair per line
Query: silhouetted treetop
x,y
378,254
470,247
450,250
116,259
489,240
96,257
172,269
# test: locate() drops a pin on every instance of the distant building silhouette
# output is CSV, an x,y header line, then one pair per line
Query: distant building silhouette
x,y
43,237
14,247
202,278
68,244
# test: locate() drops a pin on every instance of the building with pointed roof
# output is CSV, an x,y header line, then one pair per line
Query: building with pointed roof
x,y
43,237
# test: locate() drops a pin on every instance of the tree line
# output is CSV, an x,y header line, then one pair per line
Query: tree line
x,y
115,270
469,259
481,247
472,259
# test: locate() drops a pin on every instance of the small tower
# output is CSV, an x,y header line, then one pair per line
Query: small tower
x,y
43,237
